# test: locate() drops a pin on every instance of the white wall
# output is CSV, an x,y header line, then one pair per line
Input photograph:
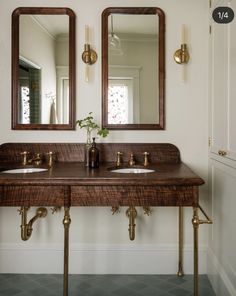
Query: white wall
x,y
186,127
62,50
62,70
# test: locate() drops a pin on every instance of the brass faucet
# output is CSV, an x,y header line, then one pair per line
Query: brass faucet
x,y
37,159
131,161
119,158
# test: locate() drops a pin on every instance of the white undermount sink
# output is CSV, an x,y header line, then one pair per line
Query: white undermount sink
x,y
132,171
24,170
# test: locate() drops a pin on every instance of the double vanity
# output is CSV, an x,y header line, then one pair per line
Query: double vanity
x,y
148,175
164,181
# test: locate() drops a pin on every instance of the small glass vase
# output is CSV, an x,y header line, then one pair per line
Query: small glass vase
x,y
86,149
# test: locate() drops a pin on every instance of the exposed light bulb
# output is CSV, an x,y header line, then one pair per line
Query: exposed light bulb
x,y
114,41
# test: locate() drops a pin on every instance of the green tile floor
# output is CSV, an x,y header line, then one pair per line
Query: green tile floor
x,y
102,285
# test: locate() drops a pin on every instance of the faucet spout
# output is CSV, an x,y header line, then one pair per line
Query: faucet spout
x,y
37,159
131,161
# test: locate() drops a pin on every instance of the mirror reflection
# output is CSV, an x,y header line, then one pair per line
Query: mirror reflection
x,y
43,69
132,69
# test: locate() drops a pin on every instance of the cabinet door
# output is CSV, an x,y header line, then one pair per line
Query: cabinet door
x,y
231,143
223,86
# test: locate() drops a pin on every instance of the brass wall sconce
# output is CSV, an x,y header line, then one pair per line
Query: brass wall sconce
x,y
181,56
89,56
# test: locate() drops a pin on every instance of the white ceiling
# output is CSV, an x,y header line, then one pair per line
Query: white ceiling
x,y
122,23
54,24
134,24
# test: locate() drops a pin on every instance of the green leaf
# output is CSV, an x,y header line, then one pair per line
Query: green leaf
x,y
89,124
103,132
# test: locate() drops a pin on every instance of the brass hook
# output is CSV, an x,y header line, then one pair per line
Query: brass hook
x,y
55,209
147,211
115,210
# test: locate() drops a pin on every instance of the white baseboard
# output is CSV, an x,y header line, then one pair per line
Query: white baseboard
x,y
220,281
98,259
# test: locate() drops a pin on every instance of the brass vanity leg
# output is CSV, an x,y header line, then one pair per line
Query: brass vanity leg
x,y
195,222
181,243
66,223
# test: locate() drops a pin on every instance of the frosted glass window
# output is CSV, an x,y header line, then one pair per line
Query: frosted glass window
x,y
25,103
120,101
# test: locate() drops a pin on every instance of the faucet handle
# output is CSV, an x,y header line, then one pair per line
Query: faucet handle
x,y
146,161
24,154
119,158
50,155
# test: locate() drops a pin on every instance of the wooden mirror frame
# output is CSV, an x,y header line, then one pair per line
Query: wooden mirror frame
x,y
161,67
15,64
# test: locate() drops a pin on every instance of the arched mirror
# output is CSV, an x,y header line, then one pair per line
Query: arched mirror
x,y
43,68
133,68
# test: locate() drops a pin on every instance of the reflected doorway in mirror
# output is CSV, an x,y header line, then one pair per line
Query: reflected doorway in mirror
x,y
43,68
